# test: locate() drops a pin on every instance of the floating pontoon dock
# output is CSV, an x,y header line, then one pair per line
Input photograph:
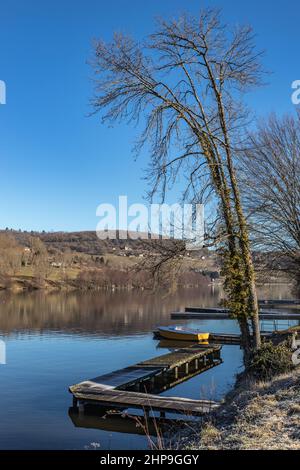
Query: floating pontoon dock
x,y
279,302
123,388
206,313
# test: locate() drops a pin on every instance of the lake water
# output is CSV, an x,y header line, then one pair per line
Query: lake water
x,y
55,340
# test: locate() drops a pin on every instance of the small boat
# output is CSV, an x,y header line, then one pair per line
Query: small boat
x,y
178,333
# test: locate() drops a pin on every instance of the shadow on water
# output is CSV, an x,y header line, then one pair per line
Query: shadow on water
x,y
126,423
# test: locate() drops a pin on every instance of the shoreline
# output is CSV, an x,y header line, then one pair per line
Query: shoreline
x,y
259,415
255,414
21,283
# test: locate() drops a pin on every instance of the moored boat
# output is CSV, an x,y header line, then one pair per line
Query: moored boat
x,y
178,333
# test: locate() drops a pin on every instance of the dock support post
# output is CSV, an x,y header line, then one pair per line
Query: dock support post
x,y
187,368
162,414
152,383
75,402
176,372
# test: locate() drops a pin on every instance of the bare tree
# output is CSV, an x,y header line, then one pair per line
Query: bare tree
x,y
163,262
39,259
184,84
10,255
271,174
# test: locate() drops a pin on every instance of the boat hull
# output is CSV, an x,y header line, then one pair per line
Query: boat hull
x,y
179,335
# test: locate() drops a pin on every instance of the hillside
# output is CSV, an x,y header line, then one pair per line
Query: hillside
x,y
81,260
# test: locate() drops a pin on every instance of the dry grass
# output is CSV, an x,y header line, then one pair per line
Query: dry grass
x,y
260,415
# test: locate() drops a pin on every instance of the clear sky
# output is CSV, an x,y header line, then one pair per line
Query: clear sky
x,y
57,164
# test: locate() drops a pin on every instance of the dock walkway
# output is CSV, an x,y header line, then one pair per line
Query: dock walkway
x,y
122,388
113,398
282,302
223,314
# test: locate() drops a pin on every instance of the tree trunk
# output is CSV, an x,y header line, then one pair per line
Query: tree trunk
x,y
247,257
245,339
250,277
254,308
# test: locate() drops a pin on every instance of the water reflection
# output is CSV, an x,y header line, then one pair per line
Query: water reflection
x,y
107,313
110,313
54,340
122,422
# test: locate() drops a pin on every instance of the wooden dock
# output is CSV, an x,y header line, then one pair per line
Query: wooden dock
x,y
230,338
261,303
113,398
206,310
224,314
127,377
282,302
133,387
214,339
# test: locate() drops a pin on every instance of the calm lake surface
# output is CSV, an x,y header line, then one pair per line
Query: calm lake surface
x,y
55,340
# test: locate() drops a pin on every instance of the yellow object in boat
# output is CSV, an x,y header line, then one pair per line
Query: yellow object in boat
x,y
178,333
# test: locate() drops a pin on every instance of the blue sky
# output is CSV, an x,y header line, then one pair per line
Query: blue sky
x,y
58,164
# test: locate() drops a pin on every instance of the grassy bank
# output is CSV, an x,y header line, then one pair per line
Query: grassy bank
x,y
265,415
256,415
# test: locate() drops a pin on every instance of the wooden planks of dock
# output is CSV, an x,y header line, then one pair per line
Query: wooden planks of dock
x,y
114,398
122,388
126,377
230,338
180,356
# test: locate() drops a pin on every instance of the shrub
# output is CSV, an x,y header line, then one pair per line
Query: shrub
x,y
270,360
